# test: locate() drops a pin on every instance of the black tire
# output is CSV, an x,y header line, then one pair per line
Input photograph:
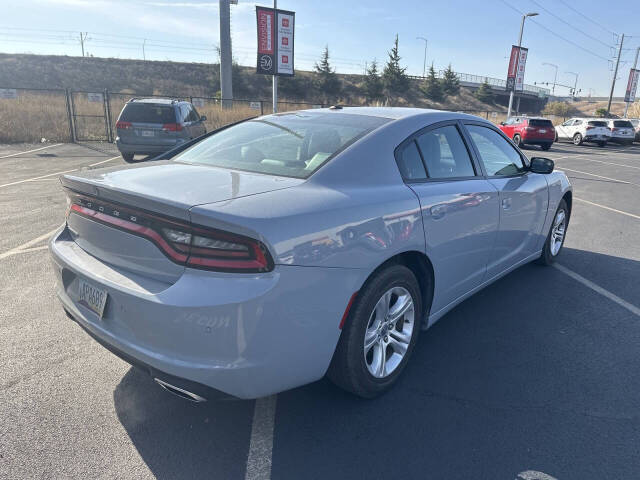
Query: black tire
x,y
128,157
348,369
546,146
577,139
517,139
602,144
547,257
555,138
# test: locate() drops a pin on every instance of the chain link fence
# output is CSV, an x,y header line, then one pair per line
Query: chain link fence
x,y
57,115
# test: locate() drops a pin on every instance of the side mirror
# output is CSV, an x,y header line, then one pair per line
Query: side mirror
x,y
502,123
541,165
203,118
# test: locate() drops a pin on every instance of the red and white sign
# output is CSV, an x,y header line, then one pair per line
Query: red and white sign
x,y
265,31
632,86
517,63
285,47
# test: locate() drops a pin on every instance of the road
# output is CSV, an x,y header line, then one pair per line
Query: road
x,y
540,372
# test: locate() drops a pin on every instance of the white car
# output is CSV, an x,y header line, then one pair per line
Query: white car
x,y
636,126
580,130
622,131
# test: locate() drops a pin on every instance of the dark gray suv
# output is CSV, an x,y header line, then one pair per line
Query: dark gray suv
x,y
149,126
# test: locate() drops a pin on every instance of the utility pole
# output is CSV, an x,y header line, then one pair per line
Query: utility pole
x,y
555,77
524,17
615,74
635,64
82,39
424,61
226,87
274,84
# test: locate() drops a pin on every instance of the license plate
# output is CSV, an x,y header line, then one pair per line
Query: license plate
x,y
92,297
147,133
542,130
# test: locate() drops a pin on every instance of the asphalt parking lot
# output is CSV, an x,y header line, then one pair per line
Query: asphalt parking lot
x,y
538,374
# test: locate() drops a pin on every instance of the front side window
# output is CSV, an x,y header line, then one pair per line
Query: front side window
x,y
497,154
445,154
568,123
290,144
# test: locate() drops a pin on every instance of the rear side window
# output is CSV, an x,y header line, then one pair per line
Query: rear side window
x,y
538,122
497,154
597,123
145,113
445,154
410,163
622,123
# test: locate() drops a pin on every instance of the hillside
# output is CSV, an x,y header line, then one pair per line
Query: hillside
x,y
194,79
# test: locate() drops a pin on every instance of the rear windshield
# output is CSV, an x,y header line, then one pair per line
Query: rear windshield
x,y
293,145
622,123
539,122
597,123
146,113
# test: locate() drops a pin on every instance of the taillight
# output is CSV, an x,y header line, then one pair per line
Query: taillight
x,y
614,129
123,125
590,127
530,129
172,127
185,244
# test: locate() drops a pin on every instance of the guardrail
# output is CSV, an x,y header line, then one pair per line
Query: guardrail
x,y
497,83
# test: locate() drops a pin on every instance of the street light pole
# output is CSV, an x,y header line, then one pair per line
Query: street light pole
x,y
424,62
615,74
274,84
524,17
575,83
555,77
635,64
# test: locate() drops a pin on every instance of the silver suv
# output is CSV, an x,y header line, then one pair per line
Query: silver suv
x,y
148,126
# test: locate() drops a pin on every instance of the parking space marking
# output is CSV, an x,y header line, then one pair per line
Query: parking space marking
x,y
609,163
608,208
104,161
600,176
597,288
261,443
30,151
56,173
25,246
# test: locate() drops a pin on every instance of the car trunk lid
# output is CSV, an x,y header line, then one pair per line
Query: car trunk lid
x,y
113,207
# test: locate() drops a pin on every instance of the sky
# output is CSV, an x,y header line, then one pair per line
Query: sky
x,y
473,36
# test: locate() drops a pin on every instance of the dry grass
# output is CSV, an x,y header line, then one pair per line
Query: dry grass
x,y
32,117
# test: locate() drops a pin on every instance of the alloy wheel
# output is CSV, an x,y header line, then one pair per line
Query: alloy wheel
x,y
389,332
558,231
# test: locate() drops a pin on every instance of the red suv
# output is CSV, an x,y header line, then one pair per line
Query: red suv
x,y
529,131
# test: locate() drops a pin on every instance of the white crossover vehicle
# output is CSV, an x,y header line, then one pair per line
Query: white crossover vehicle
x,y
622,131
579,130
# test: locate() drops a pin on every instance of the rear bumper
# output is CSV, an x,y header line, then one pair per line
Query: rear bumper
x,y
620,139
245,335
596,138
538,141
146,149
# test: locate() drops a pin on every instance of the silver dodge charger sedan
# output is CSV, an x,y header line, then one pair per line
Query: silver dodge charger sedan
x,y
275,251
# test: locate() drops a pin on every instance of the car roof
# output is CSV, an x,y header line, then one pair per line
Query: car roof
x,y
160,101
393,113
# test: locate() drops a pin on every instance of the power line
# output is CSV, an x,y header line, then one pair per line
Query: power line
x,y
571,26
557,34
574,10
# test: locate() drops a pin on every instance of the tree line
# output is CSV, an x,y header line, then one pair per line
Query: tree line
x,y
389,83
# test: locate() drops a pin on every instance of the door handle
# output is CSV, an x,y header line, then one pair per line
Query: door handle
x,y
438,211
506,203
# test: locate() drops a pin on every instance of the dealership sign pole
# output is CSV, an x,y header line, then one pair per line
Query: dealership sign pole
x,y
275,45
632,85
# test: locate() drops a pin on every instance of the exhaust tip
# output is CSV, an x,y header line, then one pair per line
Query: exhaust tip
x,y
180,392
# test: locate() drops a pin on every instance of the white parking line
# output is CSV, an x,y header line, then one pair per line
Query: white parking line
x,y
607,208
25,246
609,163
261,443
30,151
56,173
104,161
597,288
37,178
600,176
